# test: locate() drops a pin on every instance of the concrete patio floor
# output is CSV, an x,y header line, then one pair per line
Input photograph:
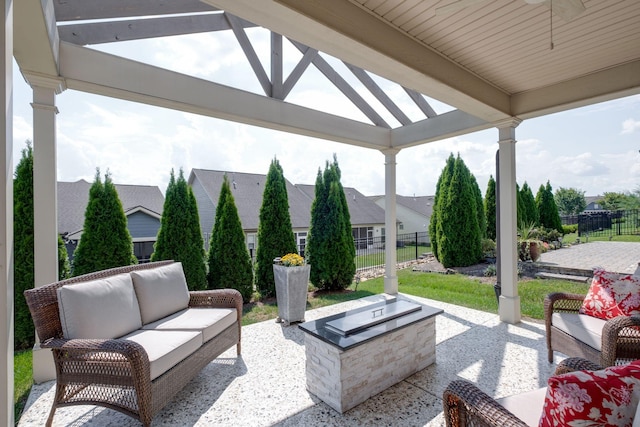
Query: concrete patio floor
x,y
266,385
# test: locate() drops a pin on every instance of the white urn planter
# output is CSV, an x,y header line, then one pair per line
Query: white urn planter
x,y
291,292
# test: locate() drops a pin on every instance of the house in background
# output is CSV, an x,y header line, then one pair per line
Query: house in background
x,y
247,189
413,213
592,204
142,205
367,219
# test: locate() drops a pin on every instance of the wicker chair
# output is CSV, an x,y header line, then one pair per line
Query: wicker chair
x,y
115,373
467,405
620,336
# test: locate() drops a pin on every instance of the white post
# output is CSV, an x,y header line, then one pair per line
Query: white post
x,y
6,219
390,276
45,206
509,302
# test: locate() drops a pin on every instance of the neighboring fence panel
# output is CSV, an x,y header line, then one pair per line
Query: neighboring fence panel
x,y
609,223
370,252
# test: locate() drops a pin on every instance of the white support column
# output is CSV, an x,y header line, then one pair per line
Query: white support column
x,y
509,305
390,276
6,219
45,206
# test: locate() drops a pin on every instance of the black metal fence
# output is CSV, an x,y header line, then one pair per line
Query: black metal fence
x,y
609,223
370,252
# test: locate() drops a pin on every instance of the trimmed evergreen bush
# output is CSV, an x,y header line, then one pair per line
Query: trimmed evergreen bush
x,y
490,208
330,248
105,241
215,244
529,205
231,255
460,242
547,209
179,237
435,228
24,332
275,234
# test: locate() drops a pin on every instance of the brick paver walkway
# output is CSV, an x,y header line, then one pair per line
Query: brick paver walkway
x,y
621,257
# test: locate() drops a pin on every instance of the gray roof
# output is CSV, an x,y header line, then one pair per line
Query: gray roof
x,y
73,198
421,204
247,189
363,210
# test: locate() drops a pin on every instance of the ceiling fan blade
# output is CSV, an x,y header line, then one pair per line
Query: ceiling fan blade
x,y
456,6
566,9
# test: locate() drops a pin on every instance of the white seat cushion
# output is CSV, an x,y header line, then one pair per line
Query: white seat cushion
x,y
166,348
99,309
210,321
585,328
161,291
526,406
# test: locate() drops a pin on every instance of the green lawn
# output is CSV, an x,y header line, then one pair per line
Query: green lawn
x,y
455,289
22,379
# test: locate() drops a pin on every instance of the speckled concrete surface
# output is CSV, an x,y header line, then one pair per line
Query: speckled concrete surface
x,y
266,385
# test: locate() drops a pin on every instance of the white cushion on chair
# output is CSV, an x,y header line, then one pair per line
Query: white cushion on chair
x,y
526,406
585,328
161,291
100,309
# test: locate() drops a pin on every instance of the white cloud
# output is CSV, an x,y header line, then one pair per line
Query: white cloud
x,y
630,126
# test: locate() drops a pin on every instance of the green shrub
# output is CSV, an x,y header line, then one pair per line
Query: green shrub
x,y
569,229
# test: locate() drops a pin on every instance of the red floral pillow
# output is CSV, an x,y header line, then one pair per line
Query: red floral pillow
x,y
612,295
593,398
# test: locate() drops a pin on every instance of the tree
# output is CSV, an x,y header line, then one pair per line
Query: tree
x,y
275,233
105,242
570,201
615,201
520,207
547,209
460,243
331,250
490,208
435,229
215,242
482,219
180,237
24,333
23,247
232,258
529,205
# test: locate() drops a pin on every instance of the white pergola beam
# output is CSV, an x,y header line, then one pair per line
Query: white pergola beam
x,y
90,71
72,10
36,36
612,83
446,125
346,31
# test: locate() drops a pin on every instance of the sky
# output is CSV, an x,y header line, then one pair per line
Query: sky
x,y
594,149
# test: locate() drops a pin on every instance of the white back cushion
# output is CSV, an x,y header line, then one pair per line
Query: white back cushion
x,y
100,309
161,291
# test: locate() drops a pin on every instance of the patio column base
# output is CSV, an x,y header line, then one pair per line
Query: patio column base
x,y
509,309
43,367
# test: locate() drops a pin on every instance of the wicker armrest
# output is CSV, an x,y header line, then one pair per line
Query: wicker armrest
x,y
101,358
620,340
219,298
572,364
560,301
464,402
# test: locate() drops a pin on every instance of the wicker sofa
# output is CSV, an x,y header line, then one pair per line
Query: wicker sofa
x,y
130,338
605,342
467,405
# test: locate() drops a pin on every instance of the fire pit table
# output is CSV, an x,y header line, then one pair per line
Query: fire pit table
x,y
354,355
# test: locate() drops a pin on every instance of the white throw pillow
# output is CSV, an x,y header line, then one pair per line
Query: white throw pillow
x,y
161,291
99,309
